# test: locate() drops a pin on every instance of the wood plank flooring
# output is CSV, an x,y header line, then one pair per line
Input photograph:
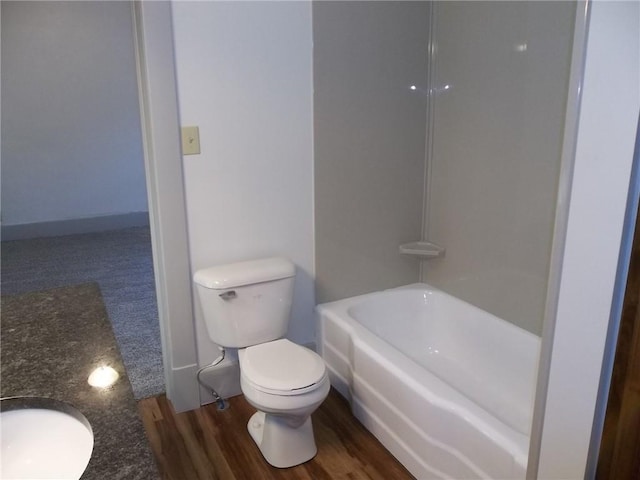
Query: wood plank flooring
x,y
619,457
211,444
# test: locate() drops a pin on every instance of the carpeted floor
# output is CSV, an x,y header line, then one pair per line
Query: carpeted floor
x,y
120,262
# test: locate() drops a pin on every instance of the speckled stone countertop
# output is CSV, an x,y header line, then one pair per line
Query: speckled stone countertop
x,y
50,342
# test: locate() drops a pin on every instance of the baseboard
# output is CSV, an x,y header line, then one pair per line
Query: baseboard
x,y
74,226
182,389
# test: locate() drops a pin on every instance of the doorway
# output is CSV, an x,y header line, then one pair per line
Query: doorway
x,y
72,173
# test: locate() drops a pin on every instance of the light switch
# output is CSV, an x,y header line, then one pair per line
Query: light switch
x,y
190,141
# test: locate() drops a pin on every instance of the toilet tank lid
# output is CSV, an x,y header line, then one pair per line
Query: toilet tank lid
x,y
232,275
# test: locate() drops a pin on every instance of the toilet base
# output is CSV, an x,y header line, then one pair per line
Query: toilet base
x,y
281,444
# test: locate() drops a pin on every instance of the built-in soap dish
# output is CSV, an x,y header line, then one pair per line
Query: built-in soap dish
x,y
422,249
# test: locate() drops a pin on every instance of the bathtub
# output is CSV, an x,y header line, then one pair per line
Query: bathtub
x,y
446,387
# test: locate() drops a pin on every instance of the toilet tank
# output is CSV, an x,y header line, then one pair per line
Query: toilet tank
x,y
246,303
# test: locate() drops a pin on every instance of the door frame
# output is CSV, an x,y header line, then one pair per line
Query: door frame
x,y
157,87
584,293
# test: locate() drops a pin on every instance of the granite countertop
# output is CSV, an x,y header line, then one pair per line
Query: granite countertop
x,y
50,342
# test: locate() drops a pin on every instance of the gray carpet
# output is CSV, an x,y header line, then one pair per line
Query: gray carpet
x,y
120,262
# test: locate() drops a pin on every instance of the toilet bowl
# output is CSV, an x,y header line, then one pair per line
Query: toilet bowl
x,y
246,305
285,383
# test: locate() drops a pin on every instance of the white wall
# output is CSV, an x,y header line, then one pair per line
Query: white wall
x,y
71,144
501,75
244,77
369,140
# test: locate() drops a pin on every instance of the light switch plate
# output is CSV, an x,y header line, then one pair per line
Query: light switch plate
x,y
190,141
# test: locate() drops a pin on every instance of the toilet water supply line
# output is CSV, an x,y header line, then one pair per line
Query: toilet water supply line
x,y
217,398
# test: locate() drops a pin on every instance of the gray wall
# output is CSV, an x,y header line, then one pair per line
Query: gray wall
x,y
369,143
71,145
497,139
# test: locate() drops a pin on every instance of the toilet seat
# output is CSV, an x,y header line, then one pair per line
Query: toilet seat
x,y
282,367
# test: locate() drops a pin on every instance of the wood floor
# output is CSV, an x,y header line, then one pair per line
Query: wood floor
x,y
619,457
211,444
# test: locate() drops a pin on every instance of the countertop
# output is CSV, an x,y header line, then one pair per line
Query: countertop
x,y
50,342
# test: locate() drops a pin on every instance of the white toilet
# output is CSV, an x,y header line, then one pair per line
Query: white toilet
x,y
246,305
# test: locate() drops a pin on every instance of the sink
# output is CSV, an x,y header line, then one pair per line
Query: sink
x,y
43,438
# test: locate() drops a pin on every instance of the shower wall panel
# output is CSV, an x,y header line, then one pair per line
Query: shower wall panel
x,y
499,95
370,94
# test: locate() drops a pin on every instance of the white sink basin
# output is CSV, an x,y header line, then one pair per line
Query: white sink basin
x,y
43,438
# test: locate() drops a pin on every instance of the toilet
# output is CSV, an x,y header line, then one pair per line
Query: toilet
x,y
246,305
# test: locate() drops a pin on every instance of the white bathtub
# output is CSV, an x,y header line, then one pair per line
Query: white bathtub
x,y
446,387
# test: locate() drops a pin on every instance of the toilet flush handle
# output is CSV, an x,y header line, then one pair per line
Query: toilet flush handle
x,y
229,295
